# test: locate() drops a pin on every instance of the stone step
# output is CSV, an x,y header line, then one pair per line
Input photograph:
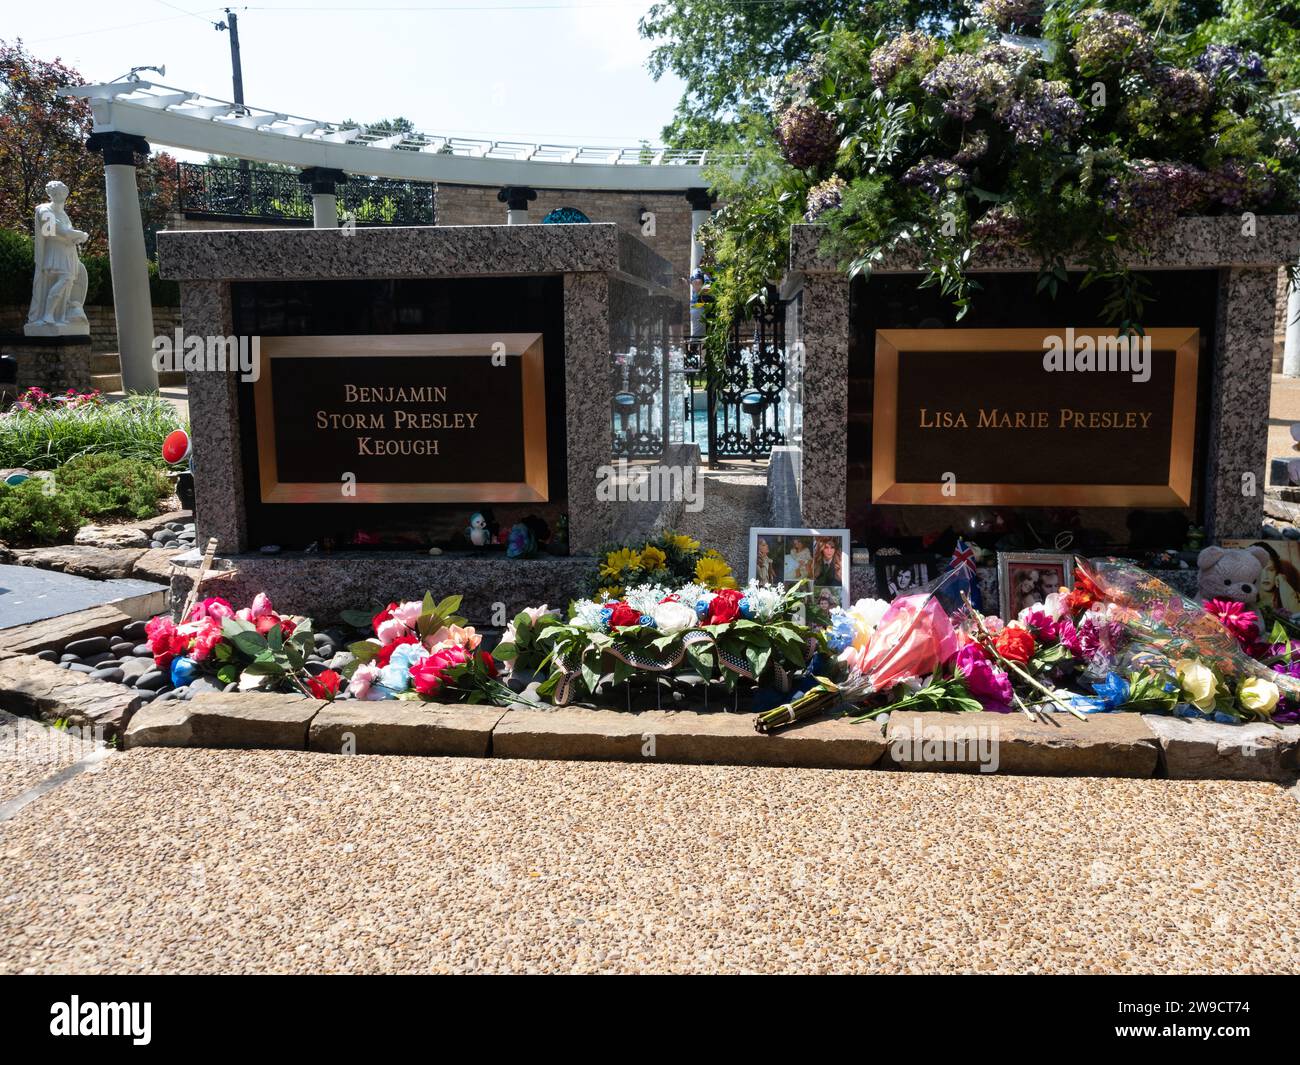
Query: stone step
x,y
112,382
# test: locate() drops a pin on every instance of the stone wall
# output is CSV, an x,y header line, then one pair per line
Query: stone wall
x,y
103,324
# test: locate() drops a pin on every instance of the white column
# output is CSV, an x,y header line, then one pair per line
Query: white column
x,y
516,198
698,218
1291,350
128,262
324,210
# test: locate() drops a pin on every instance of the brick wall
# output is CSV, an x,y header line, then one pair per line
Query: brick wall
x,y
103,324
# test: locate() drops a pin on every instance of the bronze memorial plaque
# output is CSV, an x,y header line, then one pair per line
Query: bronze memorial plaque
x,y
1034,417
445,418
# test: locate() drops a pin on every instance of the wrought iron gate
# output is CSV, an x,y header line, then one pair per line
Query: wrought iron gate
x,y
747,392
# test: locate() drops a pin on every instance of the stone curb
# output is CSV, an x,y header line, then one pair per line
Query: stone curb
x,y
236,719
54,633
32,687
1207,750
1117,745
683,736
1111,745
389,727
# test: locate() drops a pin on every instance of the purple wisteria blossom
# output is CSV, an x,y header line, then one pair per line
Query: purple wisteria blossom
x,y
1225,59
1184,92
935,176
808,136
1111,41
1046,107
1152,194
904,50
966,81
824,196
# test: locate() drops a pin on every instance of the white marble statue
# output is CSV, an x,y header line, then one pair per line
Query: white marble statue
x,y
59,284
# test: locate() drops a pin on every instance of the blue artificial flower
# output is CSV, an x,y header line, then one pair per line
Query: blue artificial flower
x,y
396,676
746,608
183,671
702,608
1225,719
1188,710
646,621
606,612
1113,691
841,633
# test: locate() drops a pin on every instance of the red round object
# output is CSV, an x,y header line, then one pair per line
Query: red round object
x,y
176,448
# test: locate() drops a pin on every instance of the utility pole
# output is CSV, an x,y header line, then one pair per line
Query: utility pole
x,y
232,24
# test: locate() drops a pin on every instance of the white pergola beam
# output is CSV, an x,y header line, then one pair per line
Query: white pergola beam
x,y
223,128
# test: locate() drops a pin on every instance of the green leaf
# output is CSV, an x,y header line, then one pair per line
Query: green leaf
x,y
505,652
250,643
358,619
364,650
228,673
259,668
449,605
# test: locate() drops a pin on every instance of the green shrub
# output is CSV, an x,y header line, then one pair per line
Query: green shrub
x,y
101,485
45,439
16,262
31,513
16,259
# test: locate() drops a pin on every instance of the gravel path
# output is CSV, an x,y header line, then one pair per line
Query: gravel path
x,y
198,861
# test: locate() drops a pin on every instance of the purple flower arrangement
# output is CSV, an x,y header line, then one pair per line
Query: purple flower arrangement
x,y
1110,42
1044,108
808,136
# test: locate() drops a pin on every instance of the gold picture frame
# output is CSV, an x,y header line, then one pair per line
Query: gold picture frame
x,y
527,347
891,344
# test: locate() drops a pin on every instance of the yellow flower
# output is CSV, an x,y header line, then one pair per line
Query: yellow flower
x,y
652,558
714,573
682,542
1198,683
614,591
618,561
1257,695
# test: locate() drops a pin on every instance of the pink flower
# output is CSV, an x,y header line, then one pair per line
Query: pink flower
x,y
391,630
213,607
1038,620
205,640
989,685
364,681
408,613
453,636
1233,616
261,608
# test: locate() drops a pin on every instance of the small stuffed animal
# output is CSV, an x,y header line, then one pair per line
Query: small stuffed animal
x,y
1230,573
478,532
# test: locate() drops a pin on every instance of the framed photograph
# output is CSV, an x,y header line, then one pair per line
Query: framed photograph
x,y
1026,578
819,557
902,574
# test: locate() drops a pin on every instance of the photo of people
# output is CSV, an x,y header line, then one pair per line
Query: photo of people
x,y
1029,578
819,558
902,574
1279,581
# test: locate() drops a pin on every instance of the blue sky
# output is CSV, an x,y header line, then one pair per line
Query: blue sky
x,y
538,70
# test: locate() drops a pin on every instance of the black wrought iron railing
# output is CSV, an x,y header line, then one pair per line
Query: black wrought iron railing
x,y
257,193
747,393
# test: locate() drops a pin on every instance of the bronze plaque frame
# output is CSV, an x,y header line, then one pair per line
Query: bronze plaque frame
x,y
891,344
525,346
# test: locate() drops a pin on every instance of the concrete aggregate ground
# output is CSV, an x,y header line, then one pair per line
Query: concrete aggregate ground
x,y
230,861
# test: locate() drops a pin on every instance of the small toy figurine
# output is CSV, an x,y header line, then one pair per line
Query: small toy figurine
x,y
522,543
479,533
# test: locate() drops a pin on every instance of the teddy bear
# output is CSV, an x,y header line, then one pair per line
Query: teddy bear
x,y
1230,573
